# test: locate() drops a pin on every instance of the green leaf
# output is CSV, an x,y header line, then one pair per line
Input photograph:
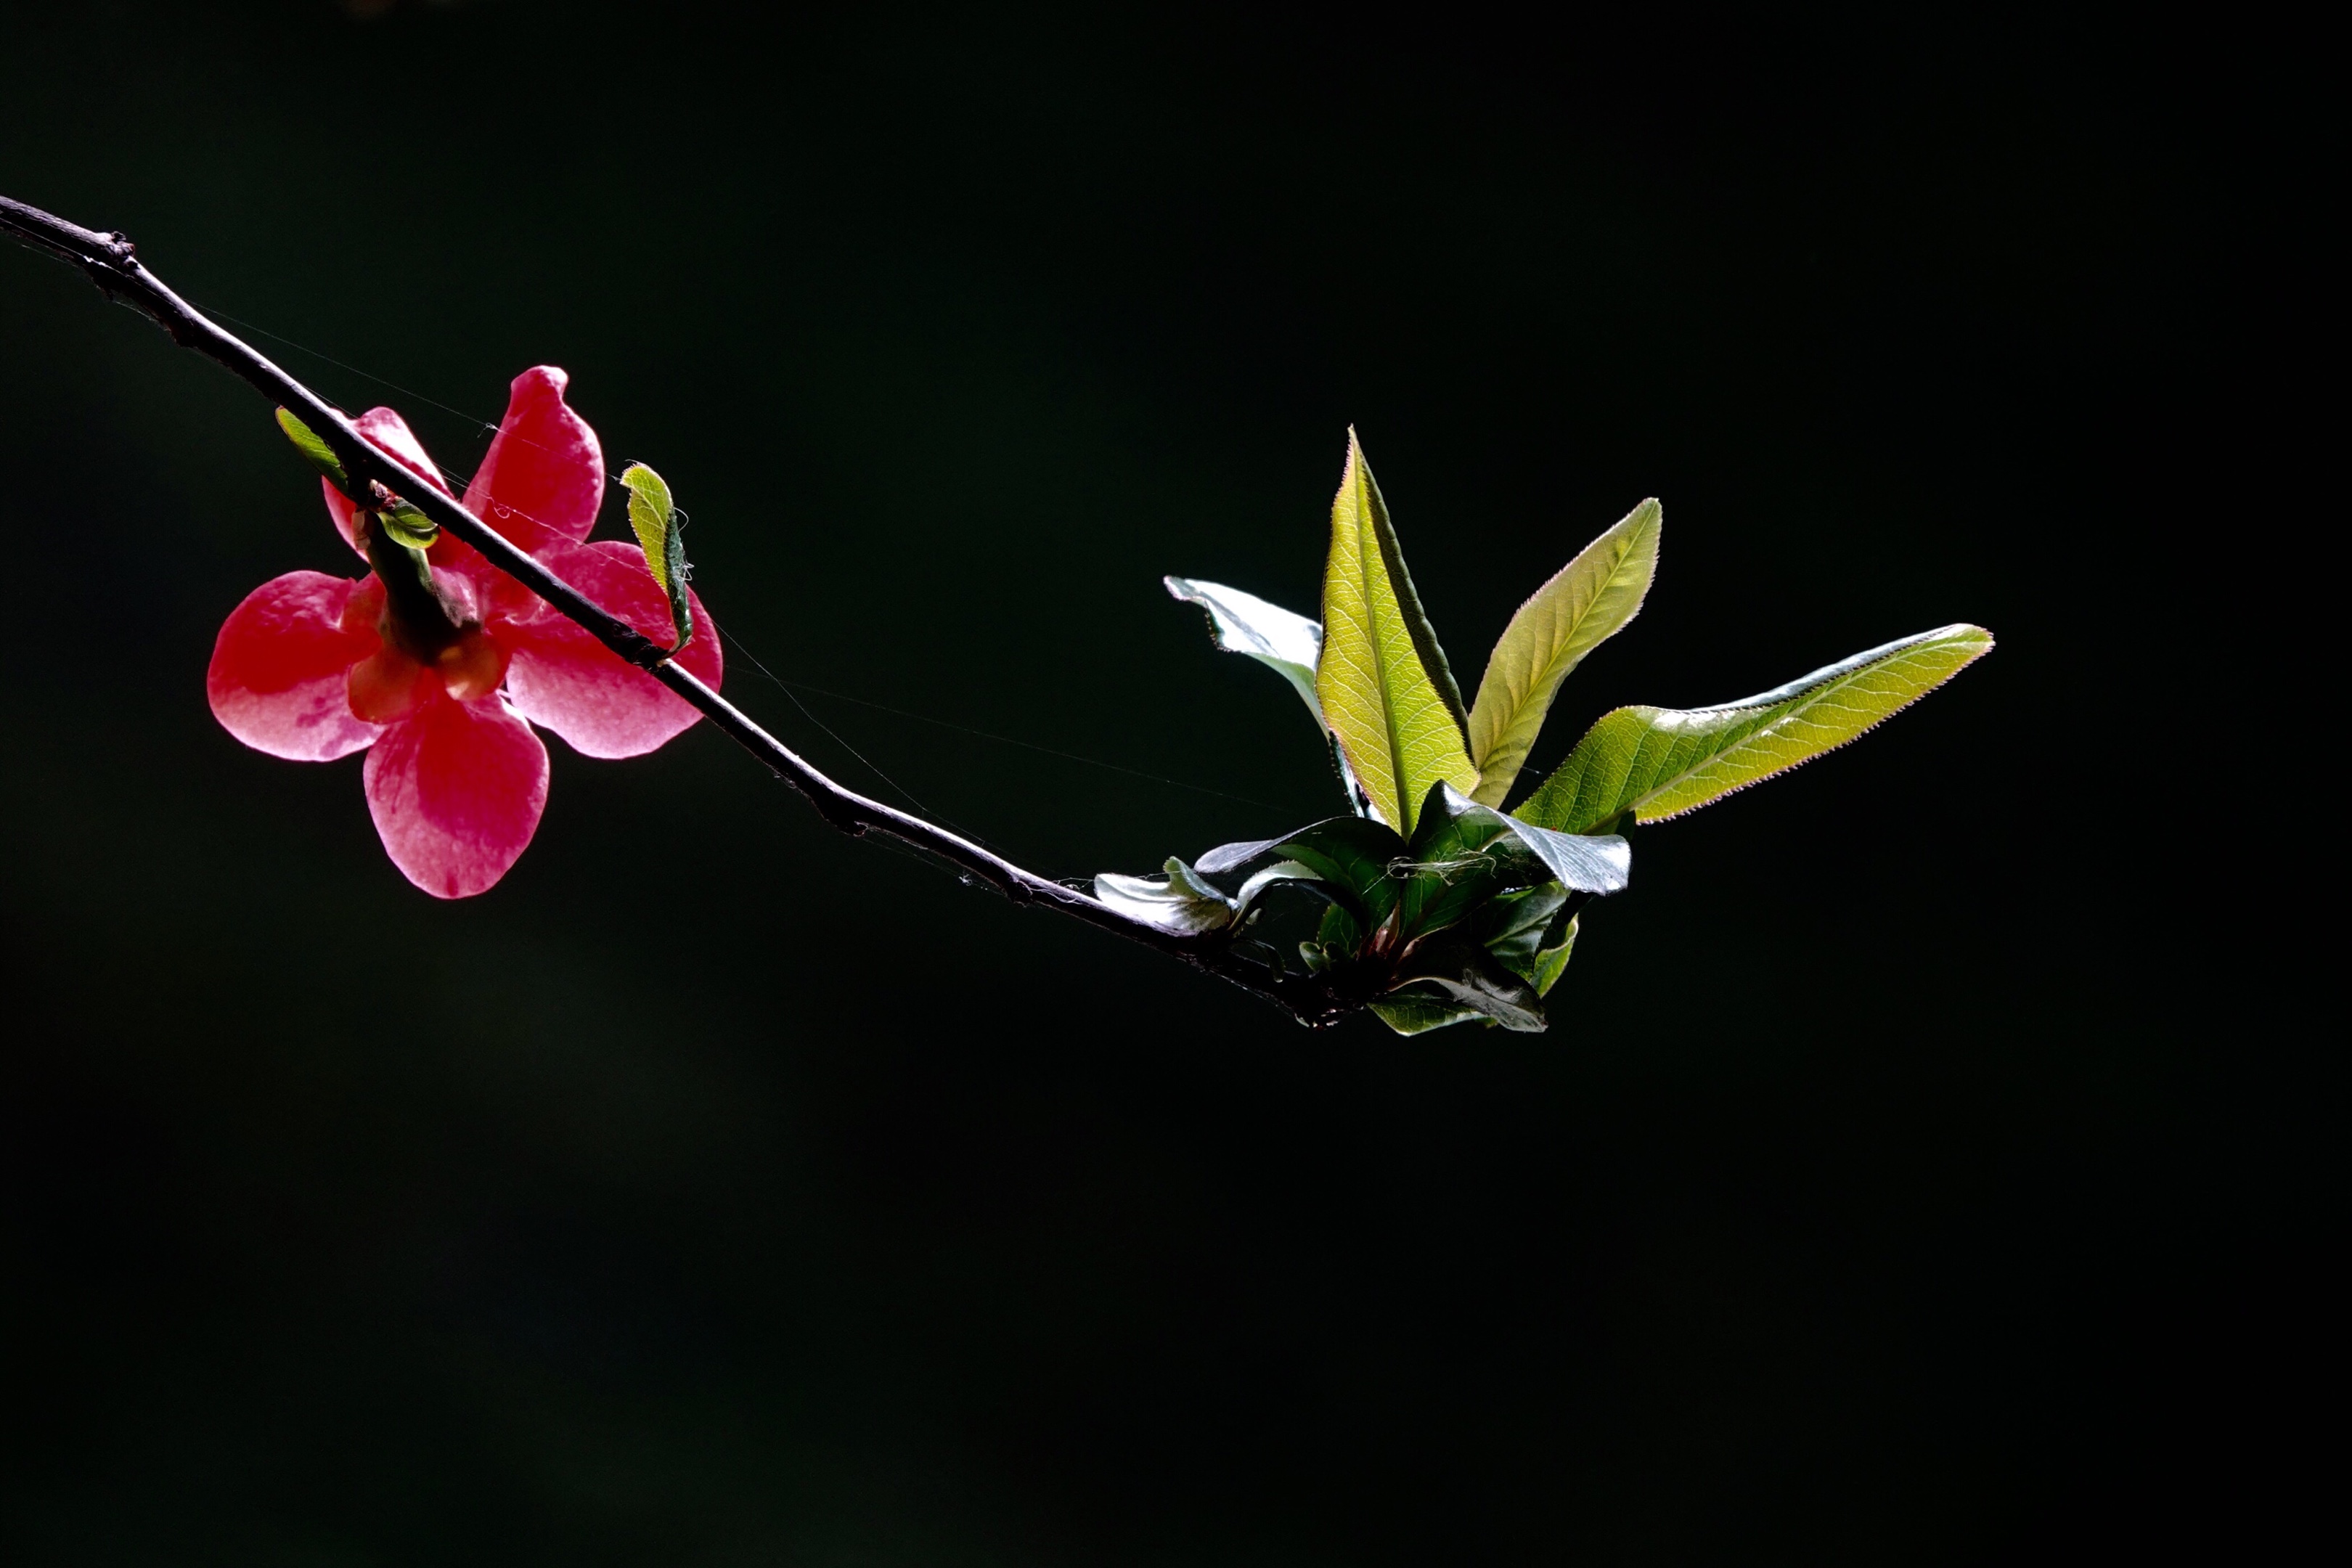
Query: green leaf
x,y
1280,872
1513,925
660,529
1336,939
1531,933
1243,623
1584,604
1418,1011
1457,970
320,455
1353,854
1660,762
1383,683
1551,963
408,526
1179,901
1586,862
1185,902
1462,856
1285,643
1232,859
1467,853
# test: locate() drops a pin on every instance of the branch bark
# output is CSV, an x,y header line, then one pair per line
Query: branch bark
x,y
109,261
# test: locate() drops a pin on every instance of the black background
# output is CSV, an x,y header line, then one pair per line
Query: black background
x,y
719,1189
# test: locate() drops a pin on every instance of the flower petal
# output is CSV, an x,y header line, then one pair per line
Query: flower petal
x,y
388,432
566,680
455,793
277,679
544,466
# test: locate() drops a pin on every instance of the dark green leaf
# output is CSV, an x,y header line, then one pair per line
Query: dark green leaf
x,y
1463,974
1462,854
1335,941
1514,924
1353,854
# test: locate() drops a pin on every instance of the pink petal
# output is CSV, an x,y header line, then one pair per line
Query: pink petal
x,y
388,432
277,679
544,466
455,793
566,680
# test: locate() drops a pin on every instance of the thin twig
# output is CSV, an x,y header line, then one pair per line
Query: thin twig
x,y
110,262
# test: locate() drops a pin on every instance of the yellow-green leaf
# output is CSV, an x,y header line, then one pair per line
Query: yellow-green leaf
x,y
660,529
308,442
1383,681
1583,606
1659,762
407,525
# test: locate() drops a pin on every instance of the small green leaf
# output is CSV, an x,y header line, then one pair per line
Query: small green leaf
x,y
320,455
1383,681
1335,940
408,526
1551,963
1339,930
1586,602
1660,762
660,529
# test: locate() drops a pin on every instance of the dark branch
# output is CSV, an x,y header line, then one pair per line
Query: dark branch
x,y
109,261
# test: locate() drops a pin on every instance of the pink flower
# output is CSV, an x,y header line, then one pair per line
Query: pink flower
x,y
444,683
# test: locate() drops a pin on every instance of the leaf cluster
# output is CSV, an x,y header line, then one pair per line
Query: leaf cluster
x,y
1438,907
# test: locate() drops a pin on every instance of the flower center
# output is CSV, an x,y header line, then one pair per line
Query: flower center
x,y
417,618
428,641
472,666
